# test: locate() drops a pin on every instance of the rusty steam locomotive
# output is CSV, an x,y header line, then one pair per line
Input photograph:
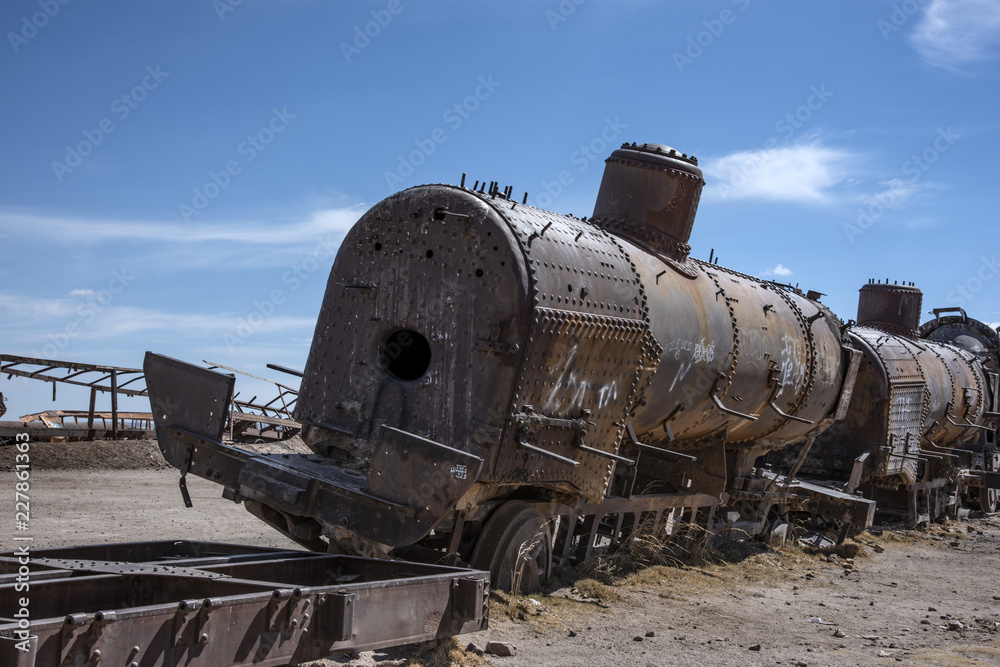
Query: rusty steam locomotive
x,y
495,384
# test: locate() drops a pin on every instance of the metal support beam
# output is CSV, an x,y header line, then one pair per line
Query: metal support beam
x,y
114,404
90,413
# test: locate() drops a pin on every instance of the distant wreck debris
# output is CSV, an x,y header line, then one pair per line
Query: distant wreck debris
x,y
253,420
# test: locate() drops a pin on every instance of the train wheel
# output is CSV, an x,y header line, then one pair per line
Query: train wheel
x,y
515,545
987,500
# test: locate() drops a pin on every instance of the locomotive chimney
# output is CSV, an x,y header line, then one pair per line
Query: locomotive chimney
x,y
893,308
650,195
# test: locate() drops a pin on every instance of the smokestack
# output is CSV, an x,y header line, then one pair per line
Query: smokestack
x,y
893,308
650,195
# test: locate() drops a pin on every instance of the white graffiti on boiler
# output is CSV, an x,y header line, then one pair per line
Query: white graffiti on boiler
x,y
700,351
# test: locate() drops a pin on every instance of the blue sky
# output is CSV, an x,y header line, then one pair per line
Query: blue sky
x,y
178,176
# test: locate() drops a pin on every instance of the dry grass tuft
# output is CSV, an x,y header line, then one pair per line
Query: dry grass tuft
x,y
690,546
953,656
543,612
851,548
446,653
590,588
889,536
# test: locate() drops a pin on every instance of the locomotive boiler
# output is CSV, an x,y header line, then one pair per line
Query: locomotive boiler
x,y
922,409
495,384
550,342
978,459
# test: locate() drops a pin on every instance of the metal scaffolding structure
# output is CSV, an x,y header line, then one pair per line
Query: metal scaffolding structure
x,y
250,418
112,380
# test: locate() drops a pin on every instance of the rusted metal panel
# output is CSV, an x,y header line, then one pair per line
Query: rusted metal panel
x,y
418,472
989,479
891,428
213,605
591,364
852,361
587,355
187,395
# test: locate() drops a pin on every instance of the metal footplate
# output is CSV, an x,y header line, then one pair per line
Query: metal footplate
x,y
204,604
829,503
412,481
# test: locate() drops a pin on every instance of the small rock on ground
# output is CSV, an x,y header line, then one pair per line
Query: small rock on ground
x,y
501,649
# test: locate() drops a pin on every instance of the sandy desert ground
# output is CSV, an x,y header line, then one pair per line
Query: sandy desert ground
x,y
931,597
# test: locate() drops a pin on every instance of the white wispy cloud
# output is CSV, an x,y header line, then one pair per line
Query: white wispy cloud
x,y
176,246
27,311
803,173
954,32
72,230
778,270
896,191
127,321
30,320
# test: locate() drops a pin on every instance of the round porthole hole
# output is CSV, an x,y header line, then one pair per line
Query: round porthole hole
x,y
405,355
